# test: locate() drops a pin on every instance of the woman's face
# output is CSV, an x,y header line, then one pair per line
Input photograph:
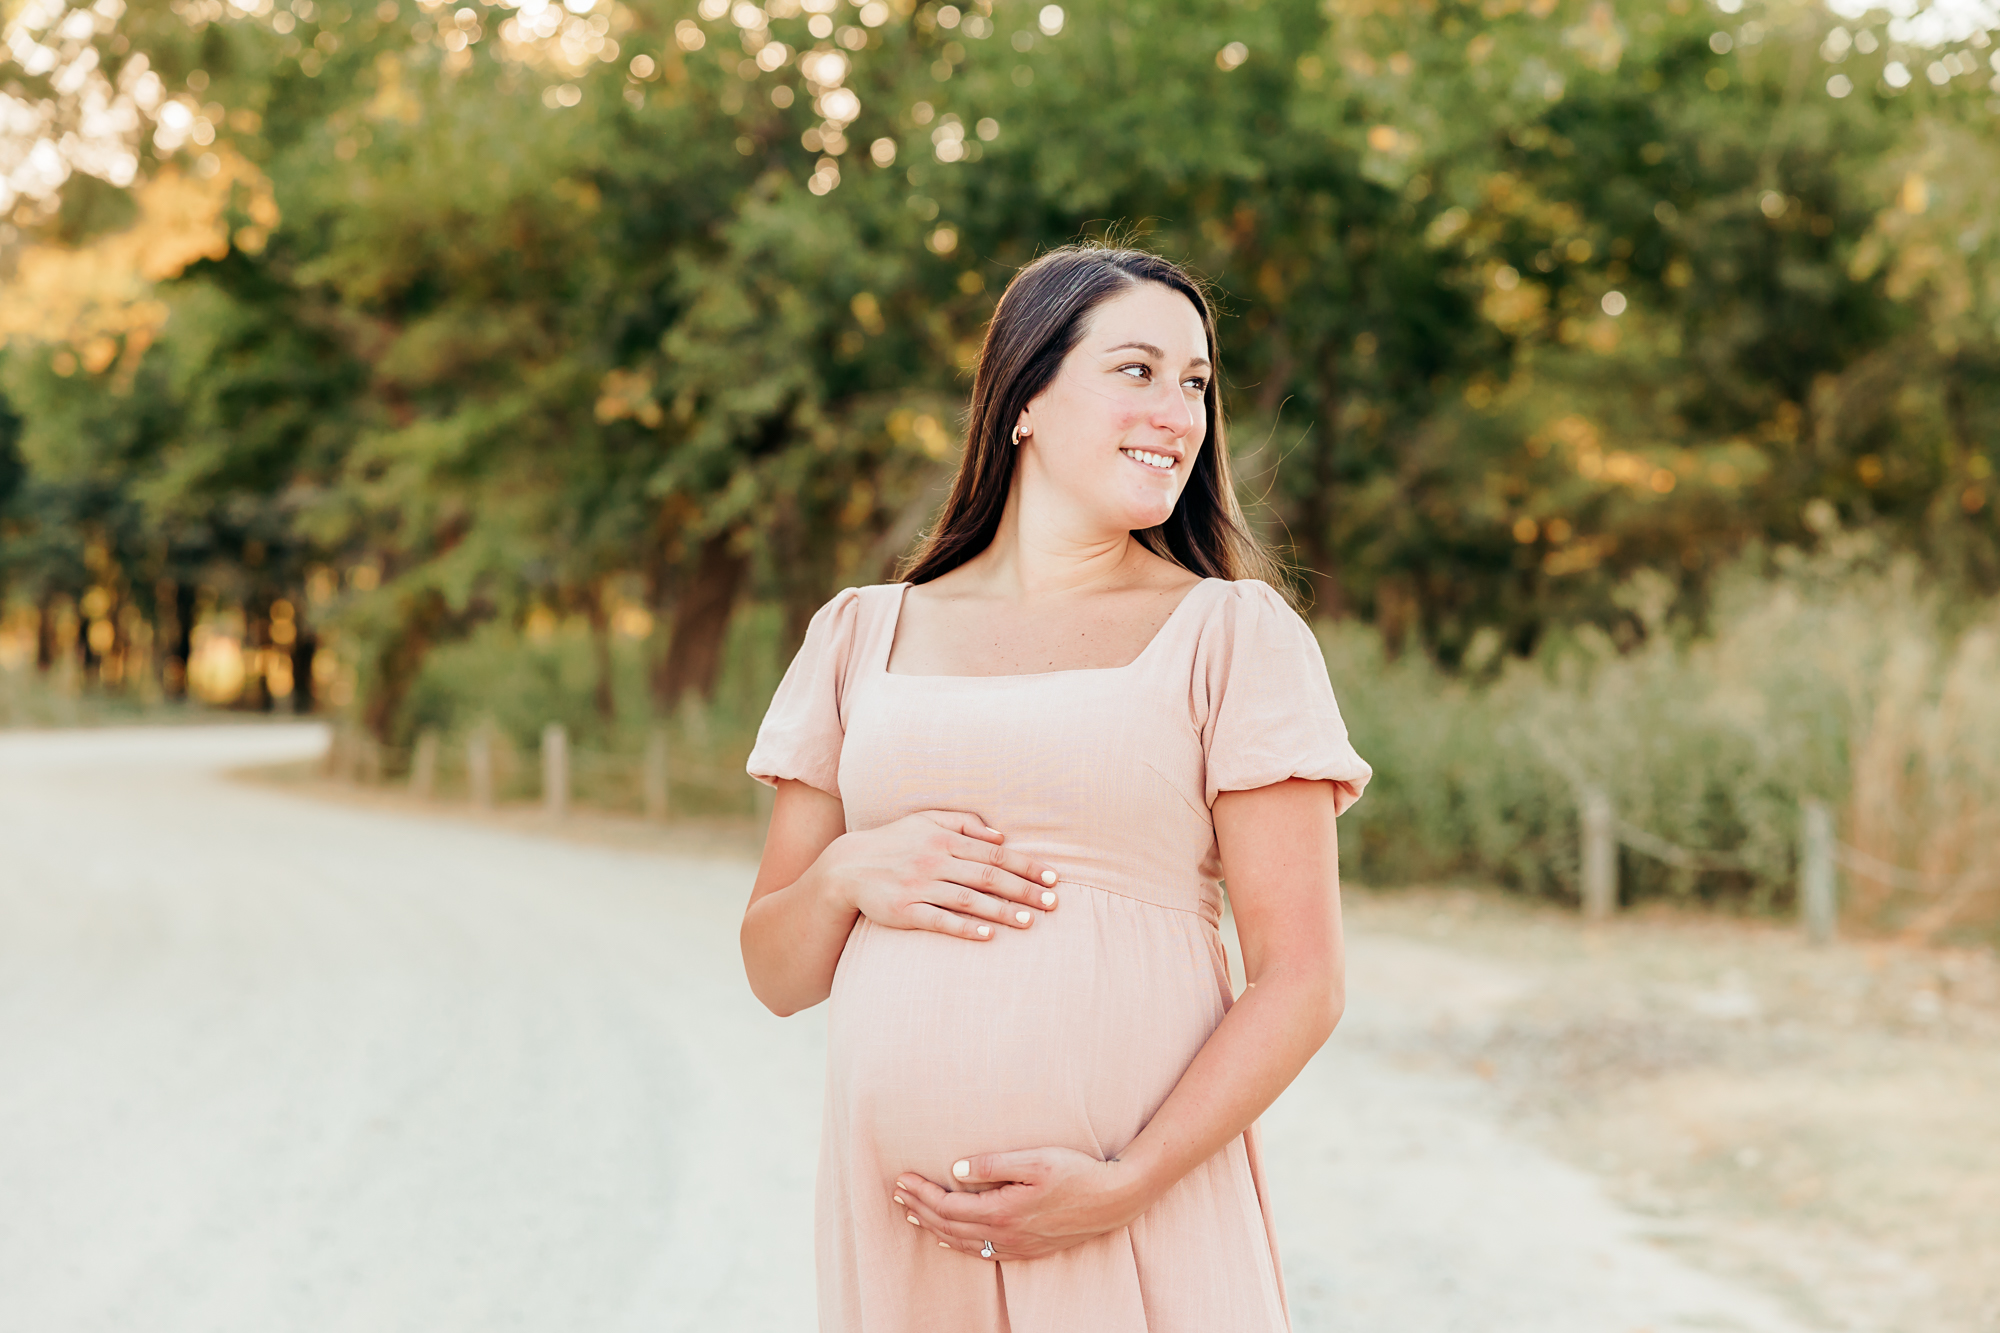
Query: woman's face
x,y
1113,438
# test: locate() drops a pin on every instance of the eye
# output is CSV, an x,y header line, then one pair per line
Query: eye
x,y
1199,383
1145,372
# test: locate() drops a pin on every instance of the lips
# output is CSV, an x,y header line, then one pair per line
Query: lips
x,y
1158,462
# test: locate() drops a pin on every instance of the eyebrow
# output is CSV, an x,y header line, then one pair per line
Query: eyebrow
x,y
1151,350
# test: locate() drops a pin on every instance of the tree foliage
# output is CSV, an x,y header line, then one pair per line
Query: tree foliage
x,y
397,320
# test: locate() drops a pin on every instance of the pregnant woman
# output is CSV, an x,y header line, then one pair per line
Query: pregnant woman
x,y
1007,790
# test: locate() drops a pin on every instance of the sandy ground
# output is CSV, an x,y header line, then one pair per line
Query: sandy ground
x,y
1818,1122
277,1063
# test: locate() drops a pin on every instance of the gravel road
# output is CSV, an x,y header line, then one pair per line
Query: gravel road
x,y
273,1064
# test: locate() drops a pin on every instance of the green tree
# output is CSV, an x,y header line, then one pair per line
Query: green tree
x,y
519,307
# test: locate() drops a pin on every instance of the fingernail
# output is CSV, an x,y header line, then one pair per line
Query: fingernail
x,y
961,1169
1048,877
1048,900
985,931
912,1220
996,832
900,1199
944,1245
1024,917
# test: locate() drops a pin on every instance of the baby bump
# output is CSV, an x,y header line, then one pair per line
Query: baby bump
x,y
1067,1034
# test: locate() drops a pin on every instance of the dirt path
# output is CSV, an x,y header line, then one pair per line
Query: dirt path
x,y
274,1063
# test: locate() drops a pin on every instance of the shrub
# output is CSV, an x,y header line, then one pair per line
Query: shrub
x,y
1837,677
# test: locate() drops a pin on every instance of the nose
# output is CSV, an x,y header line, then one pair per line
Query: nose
x,y
1173,412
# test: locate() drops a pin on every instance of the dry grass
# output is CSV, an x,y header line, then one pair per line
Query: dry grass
x,y
1844,680
1818,1121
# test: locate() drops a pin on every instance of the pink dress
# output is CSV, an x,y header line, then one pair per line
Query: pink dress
x,y
1072,1032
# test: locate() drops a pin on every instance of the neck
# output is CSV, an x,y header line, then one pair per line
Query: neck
x,y
1035,554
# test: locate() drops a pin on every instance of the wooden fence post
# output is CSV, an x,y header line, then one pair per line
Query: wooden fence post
x,y
555,769
654,779
1818,902
1600,856
347,758
424,766
479,765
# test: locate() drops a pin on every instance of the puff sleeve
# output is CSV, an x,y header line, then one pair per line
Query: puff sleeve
x,y
1263,703
802,730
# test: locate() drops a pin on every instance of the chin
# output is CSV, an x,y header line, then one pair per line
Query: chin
x,y
1140,517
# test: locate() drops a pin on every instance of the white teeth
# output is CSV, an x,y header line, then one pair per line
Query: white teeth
x,y
1160,461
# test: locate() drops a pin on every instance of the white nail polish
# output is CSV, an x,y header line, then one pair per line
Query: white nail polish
x,y
985,932
1048,900
996,833
901,1200
944,1245
961,1169
1048,877
912,1220
1024,917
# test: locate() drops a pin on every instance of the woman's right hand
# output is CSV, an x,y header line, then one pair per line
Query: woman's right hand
x,y
938,870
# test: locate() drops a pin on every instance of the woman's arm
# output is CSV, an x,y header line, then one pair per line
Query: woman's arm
x,y
940,870
1280,856
794,929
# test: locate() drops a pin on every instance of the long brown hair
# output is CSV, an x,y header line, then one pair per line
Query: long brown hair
x,y
1038,321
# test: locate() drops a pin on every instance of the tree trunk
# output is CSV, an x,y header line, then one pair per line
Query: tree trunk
x,y
86,651
398,663
178,648
304,649
257,637
663,587
45,633
693,659
1397,611
600,647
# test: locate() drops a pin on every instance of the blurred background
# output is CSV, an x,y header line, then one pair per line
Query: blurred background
x,y
506,384
1627,375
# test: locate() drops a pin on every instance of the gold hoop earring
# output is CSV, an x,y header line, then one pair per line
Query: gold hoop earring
x,y
1018,434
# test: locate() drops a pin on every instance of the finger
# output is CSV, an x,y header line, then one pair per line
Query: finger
x,y
915,1189
953,897
961,1212
972,826
985,1212
911,1180
927,1217
929,916
998,1168
998,884
1019,877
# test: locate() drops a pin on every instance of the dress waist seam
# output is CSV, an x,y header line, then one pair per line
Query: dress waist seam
x,y
1133,897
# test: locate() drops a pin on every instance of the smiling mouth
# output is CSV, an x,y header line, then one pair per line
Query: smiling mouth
x,y
1158,462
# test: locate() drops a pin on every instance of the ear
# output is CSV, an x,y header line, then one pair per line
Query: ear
x,y
1023,428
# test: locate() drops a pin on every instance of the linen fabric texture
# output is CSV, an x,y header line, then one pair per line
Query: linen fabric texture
x,y
1070,1033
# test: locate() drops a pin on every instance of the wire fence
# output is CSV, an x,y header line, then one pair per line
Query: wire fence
x,y
661,781
1820,853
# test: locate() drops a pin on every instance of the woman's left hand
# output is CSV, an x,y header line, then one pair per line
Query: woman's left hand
x,y
1036,1202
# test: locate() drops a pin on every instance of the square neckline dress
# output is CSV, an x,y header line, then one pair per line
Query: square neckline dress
x,y
1070,1033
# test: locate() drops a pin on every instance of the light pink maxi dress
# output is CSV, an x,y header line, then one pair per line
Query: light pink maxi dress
x,y
1072,1032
